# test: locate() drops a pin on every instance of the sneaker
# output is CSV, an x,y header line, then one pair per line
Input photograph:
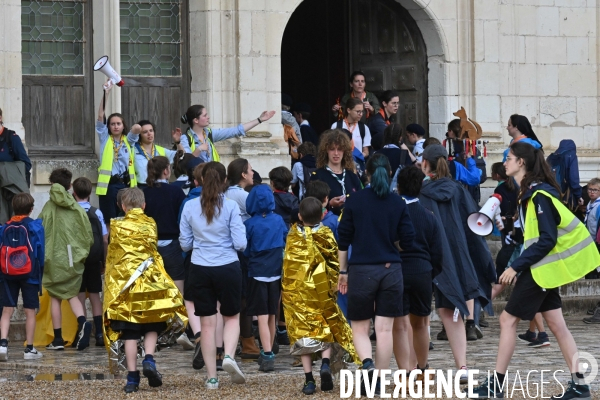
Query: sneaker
x,y
56,345
595,318
198,361
283,338
3,353
231,367
527,337
442,335
309,388
478,332
464,375
220,360
268,362
591,310
132,385
32,354
326,378
575,392
260,358
100,340
184,341
486,391
150,372
540,341
82,340
471,332
212,383
482,321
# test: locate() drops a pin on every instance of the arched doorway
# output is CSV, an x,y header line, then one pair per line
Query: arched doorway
x,y
325,40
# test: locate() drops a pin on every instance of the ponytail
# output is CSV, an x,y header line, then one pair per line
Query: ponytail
x,y
156,167
378,168
213,186
440,169
192,113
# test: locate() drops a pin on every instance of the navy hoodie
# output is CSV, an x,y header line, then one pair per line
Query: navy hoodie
x,y
266,233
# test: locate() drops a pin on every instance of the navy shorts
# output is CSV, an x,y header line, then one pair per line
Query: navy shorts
x,y
375,290
418,293
207,285
29,291
263,297
528,298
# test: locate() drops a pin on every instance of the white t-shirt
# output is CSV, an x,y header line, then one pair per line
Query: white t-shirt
x,y
358,143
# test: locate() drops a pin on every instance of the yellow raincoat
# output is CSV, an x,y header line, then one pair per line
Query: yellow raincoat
x,y
152,297
310,276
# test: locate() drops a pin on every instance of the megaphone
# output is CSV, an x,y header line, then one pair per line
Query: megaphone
x,y
104,66
482,222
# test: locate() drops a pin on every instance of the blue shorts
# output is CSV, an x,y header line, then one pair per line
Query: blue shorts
x,y
9,294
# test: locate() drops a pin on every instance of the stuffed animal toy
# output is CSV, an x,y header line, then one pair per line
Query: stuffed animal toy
x,y
469,129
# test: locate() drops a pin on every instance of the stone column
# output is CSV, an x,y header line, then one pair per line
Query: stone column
x,y
11,82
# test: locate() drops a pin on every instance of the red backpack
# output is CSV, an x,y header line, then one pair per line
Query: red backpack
x,y
16,251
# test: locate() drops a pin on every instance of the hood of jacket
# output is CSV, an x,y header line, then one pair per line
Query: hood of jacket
x,y
260,200
309,161
540,186
566,145
62,198
286,201
440,189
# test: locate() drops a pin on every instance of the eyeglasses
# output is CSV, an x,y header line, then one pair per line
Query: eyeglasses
x,y
593,190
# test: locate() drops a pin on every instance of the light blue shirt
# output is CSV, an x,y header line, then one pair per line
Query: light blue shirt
x,y
217,136
86,206
121,164
239,195
141,162
216,244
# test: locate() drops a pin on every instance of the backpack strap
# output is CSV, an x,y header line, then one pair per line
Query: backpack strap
x,y
340,124
362,130
210,135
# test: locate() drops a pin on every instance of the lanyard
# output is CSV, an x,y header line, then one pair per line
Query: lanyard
x,y
337,178
348,125
409,201
116,148
148,156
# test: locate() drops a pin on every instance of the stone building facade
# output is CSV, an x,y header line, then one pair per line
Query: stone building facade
x,y
538,58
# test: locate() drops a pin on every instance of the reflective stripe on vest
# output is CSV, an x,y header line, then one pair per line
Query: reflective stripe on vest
x,y
575,253
105,170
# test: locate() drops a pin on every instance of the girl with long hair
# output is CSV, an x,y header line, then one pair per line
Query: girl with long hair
x,y
335,167
519,129
390,101
558,250
359,132
213,229
372,277
199,139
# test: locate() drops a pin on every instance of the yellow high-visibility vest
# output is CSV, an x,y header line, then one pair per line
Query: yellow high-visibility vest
x,y
160,150
208,133
575,253
106,164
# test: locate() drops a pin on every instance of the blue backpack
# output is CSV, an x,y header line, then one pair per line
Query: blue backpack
x,y
16,252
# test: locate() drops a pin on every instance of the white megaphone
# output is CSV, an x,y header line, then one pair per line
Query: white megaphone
x,y
104,66
482,222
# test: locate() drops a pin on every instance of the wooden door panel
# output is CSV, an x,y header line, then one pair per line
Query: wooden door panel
x,y
391,51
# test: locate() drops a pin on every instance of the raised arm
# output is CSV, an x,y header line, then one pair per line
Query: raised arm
x,y
265,116
101,110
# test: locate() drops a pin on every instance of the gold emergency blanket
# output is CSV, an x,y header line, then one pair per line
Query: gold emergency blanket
x,y
152,297
310,276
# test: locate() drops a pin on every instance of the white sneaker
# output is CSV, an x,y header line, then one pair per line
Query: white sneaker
x,y
3,353
31,354
231,367
212,383
184,341
464,375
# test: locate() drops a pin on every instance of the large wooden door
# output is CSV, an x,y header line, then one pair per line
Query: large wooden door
x,y
58,111
155,64
386,43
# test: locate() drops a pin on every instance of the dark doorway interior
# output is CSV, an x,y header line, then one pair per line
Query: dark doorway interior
x,y
325,40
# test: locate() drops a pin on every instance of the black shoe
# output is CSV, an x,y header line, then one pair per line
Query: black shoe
x,y
100,340
275,348
267,363
282,338
527,337
198,361
540,341
478,332
131,387
486,391
442,335
471,332
82,340
430,346
575,392
150,372
309,388
56,345
326,378
482,321
220,356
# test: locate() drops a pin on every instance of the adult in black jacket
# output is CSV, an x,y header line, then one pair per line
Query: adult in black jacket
x,y
420,263
373,275
394,149
390,102
468,267
12,149
335,167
